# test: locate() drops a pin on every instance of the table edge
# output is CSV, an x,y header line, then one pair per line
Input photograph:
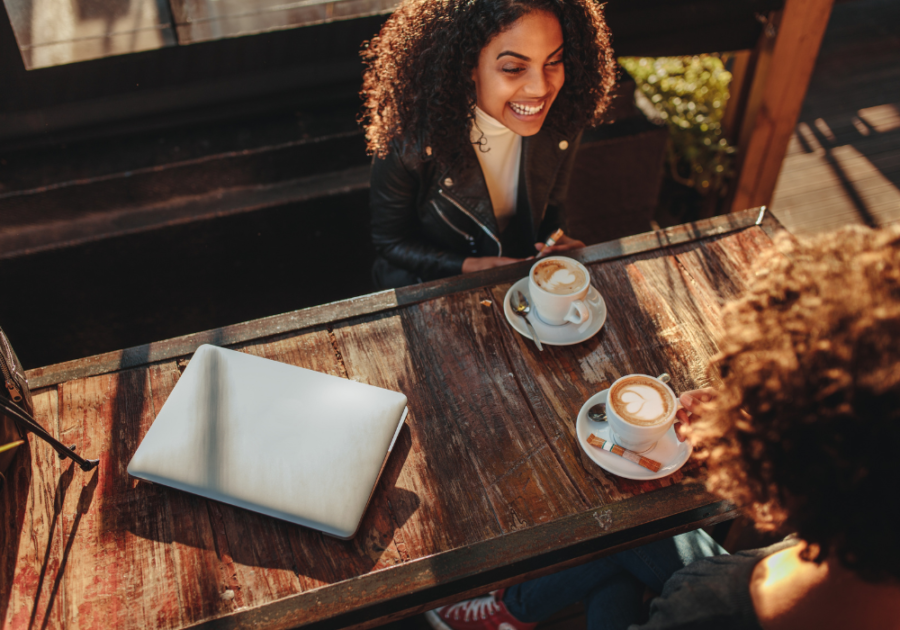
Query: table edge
x,y
383,301
419,584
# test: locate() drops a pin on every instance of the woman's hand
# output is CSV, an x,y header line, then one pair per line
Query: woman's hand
x,y
486,262
564,244
690,403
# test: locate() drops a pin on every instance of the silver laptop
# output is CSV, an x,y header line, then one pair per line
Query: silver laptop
x,y
291,443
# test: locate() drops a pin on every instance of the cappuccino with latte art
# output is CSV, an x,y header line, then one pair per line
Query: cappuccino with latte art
x,y
559,276
641,400
640,410
558,287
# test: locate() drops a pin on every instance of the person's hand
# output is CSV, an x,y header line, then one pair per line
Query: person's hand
x,y
564,244
486,262
690,403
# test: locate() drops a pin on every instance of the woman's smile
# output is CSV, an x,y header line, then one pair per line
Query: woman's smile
x,y
524,111
520,72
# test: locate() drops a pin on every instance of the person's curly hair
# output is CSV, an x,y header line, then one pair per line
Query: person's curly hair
x,y
418,85
806,426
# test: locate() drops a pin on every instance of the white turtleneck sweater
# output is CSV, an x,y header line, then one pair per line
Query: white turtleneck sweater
x,y
499,159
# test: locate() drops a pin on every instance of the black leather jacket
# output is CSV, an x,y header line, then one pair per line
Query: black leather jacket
x,y
427,220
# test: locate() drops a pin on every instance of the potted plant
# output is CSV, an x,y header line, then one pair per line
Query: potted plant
x,y
689,94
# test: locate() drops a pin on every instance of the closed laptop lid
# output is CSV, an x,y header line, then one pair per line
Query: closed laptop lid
x,y
292,443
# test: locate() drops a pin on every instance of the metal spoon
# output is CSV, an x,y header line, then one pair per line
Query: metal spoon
x,y
522,308
597,413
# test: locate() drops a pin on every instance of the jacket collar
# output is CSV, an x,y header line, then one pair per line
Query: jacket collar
x,y
542,157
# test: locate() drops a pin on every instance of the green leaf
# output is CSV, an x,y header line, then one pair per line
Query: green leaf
x,y
690,94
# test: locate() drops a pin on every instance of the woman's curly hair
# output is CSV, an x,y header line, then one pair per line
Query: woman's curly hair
x,y
806,427
418,85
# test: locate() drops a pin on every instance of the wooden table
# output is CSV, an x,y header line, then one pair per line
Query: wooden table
x,y
484,487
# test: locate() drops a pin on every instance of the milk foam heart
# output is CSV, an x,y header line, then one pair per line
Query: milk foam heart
x,y
559,276
641,400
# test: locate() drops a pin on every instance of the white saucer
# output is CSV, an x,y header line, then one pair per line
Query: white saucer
x,y
565,335
669,452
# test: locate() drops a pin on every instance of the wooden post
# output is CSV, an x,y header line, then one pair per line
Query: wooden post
x,y
742,71
776,98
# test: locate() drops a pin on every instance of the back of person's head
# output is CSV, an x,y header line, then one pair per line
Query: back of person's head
x,y
806,430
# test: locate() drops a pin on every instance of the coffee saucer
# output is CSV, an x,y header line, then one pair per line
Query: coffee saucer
x,y
669,452
565,335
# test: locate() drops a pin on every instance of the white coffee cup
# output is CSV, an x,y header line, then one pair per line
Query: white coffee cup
x,y
559,291
640,409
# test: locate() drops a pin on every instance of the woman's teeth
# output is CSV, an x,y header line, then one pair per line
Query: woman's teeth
x,y
525,110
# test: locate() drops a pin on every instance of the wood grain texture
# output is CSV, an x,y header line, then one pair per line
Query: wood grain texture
x,y
318,559
663,317
119,569
422,584
466,371
32,531
363,305
265,559
138,555
485,482
200,576
488,466
225,336
424,484
642,335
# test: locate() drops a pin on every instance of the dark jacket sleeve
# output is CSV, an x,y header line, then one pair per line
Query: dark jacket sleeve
x,y
555,215
711,594
396,231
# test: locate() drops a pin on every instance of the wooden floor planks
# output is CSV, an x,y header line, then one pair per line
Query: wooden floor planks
x,y
843,165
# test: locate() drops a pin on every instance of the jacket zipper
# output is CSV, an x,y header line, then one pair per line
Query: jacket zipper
x,y
465,235
9,370
469,214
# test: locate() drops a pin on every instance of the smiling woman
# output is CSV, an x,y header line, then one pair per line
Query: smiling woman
x,y
514,88
473,111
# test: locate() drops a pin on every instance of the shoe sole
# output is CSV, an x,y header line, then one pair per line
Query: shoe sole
x,y
435,621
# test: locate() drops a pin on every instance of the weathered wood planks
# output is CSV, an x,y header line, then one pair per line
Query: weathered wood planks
x,y
32,530
432,506
374,303
487,463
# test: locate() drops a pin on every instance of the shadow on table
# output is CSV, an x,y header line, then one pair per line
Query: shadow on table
x,y
15,500
85,500
230,535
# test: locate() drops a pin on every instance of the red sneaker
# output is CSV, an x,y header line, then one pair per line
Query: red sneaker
x,y
480,613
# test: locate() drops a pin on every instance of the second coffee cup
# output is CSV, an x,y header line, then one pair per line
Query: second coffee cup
x,y
640,410
558,287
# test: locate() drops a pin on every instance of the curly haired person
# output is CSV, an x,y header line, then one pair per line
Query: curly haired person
x,y
802,431
473,111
